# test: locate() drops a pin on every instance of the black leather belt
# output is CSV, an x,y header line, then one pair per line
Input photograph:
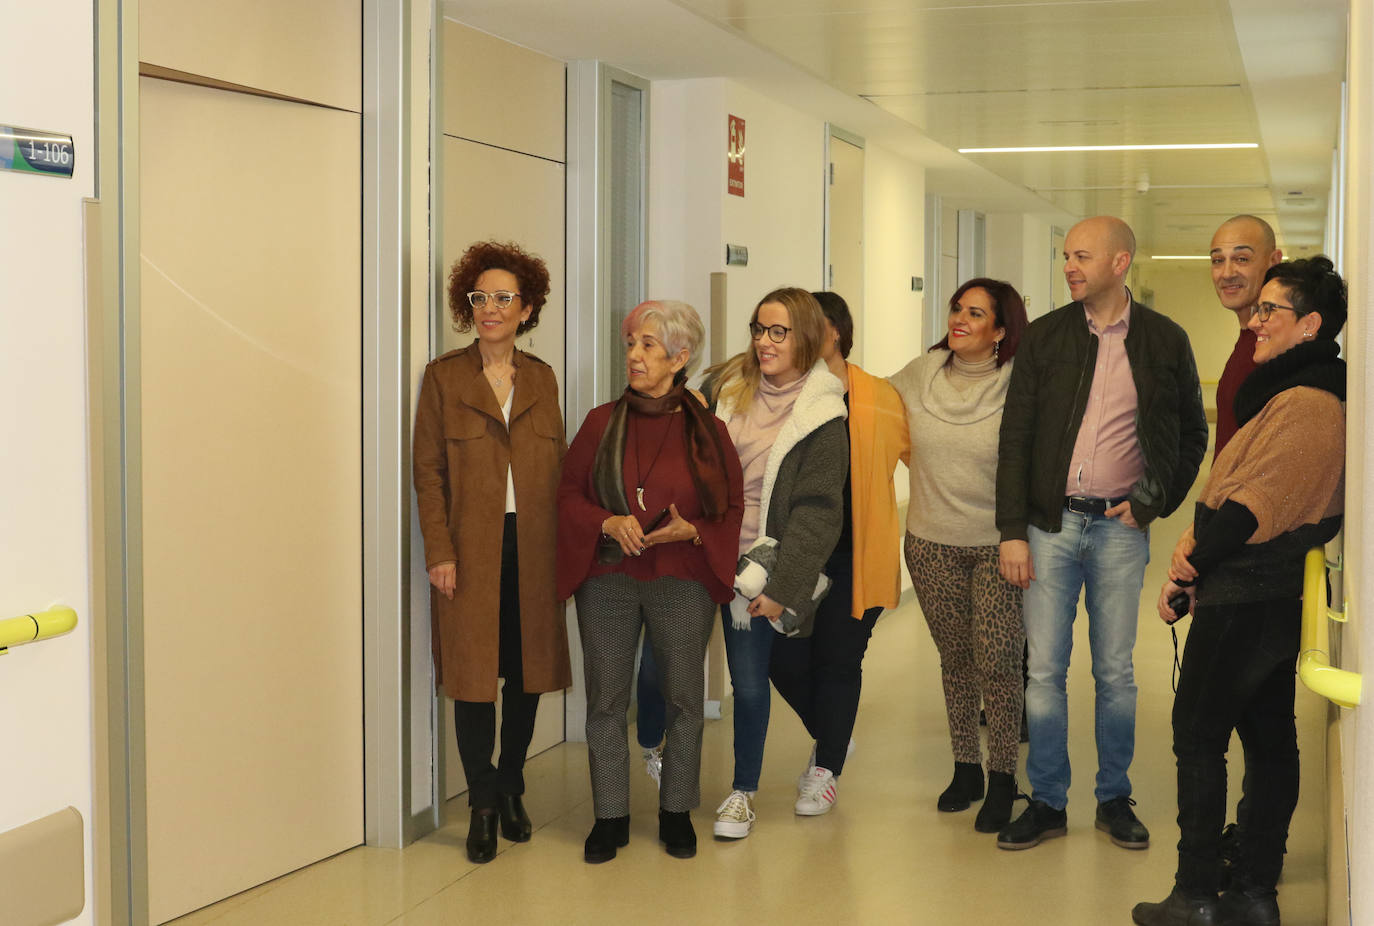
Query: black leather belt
x,y
1081,504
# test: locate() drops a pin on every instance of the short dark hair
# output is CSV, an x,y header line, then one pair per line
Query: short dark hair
x,y
1313,285
1009,314
837,313
527,268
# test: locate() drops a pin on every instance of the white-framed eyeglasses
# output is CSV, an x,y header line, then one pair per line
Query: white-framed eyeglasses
x,y
502,298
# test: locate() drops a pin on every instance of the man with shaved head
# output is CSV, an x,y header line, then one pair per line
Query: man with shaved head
x,y
1242,250
1103,431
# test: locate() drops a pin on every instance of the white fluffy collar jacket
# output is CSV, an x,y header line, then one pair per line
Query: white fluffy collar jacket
x,y
821,400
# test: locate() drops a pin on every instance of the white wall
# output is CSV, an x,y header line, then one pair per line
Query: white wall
x,y
692,217
1358,726
1040,267
44,520
687,144
781,217
1018,251
1005,255
894,252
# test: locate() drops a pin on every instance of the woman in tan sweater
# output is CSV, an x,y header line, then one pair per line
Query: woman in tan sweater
x,y
1276,491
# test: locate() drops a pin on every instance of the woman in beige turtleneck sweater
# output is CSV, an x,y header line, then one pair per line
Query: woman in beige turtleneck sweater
x,y
954,396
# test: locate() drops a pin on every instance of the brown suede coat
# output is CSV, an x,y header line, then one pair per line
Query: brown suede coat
x,y
462,449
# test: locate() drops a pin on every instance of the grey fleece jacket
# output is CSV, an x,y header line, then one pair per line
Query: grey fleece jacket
x,y
803,486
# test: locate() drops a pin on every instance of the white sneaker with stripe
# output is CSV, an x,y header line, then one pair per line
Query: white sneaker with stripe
x,y
816,794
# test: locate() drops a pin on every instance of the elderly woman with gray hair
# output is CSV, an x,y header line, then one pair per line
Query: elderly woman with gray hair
x,y
649,512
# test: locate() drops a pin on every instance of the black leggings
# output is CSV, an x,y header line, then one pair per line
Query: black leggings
x,y
820,676
474,722
1238,674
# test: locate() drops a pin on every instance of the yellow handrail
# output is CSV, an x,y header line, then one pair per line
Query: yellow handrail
x,y
29,628
1314,660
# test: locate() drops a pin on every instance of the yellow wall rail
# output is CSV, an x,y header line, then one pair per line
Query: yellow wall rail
x,y
1314,660
29,628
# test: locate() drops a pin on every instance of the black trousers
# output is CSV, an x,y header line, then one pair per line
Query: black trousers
x,y
1238,674
820,676
475,721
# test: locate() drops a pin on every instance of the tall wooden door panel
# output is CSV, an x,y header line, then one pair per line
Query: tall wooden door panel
x,y
251,327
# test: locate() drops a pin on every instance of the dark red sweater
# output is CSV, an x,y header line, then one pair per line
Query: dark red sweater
x,y
668,481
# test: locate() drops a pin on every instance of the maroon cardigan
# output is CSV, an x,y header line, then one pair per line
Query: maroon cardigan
x,y
580,515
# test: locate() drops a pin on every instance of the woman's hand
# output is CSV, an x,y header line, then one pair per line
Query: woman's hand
x,y
1179,567
1014,562
444,577
625,530
1166,610
763,606
676,529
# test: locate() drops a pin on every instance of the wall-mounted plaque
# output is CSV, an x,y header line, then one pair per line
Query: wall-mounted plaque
x,y
33,152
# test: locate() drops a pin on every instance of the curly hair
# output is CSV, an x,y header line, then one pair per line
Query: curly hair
x,y
527,268
1313,285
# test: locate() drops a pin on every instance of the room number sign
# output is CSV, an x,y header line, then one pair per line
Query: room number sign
x,y
34,152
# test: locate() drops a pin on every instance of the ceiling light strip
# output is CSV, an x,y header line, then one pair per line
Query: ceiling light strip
x,y
1054,148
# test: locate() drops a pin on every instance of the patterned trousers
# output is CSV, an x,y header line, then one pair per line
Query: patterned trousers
x,y
975,619
677,615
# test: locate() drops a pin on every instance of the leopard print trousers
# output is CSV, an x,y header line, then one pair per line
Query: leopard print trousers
x,y
975,618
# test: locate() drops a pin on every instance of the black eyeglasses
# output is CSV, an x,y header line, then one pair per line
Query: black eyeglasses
x,y
502,298
776,333
1266,309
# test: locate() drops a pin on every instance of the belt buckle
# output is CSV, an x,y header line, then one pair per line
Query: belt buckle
x,y
1079,504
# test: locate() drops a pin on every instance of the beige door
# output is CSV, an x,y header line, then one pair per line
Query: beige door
x,y
845,232
519,198
251,326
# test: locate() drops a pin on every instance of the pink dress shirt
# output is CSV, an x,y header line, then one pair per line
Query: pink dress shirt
x,y
1106,460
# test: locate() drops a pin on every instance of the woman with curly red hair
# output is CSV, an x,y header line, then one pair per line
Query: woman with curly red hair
x,y
489,441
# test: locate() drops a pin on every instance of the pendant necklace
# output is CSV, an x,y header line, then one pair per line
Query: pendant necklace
x,y
639,489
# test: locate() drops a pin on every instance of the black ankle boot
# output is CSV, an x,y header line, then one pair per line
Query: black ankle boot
x,y
606,836
1178,909
676,833
996,810
964,789
1249,906
515,823
482,835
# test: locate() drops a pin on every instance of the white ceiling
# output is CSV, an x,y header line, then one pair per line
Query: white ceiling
x,y
946,74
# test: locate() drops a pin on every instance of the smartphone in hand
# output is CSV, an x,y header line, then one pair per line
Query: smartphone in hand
x,y
659,520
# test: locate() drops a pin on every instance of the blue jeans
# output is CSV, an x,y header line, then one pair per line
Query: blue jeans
x,y
1108,558
749,653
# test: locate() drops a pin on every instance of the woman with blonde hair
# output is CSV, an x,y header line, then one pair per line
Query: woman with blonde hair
x,y
784,411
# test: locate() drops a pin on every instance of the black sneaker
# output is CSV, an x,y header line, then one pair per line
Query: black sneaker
x,y
1117,819
1178,909
1038,821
